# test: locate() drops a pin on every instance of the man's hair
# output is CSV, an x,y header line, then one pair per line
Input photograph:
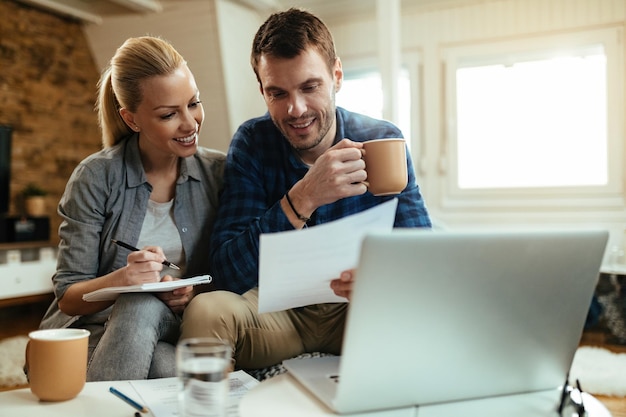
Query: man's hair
x,y
287,34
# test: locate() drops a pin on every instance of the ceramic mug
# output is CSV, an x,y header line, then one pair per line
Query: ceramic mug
x,y
56,363
385,164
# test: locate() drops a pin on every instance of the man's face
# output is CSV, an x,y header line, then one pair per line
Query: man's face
x,y
300,96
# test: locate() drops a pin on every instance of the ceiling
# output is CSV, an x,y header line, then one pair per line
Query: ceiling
x,y
339,9
94,11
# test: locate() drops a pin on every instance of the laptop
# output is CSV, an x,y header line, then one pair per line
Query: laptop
x,y
446,316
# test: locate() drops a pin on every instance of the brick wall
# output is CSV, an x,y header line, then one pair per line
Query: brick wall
x,y
47,94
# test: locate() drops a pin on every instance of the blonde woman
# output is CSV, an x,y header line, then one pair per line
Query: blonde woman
x,y
151,187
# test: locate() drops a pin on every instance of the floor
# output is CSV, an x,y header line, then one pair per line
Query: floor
x,y
19,319
600,337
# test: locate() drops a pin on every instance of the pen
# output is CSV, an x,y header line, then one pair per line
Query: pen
x,y
129,247
132,403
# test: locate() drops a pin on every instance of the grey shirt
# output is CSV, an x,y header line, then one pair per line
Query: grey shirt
x,y
107,197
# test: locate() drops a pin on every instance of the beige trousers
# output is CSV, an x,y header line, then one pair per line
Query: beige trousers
x,y
261,340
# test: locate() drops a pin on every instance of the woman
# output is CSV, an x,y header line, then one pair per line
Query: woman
x,y
152,187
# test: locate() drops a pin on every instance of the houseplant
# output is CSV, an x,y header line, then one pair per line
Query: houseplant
x,y
34,200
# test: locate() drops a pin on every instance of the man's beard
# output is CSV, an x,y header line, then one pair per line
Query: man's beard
x,y
332,114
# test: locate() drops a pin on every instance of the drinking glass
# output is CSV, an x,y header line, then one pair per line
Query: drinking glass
x,y
202,366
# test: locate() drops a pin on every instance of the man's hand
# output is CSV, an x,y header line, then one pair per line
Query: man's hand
x,y
177,299
337,173
342,286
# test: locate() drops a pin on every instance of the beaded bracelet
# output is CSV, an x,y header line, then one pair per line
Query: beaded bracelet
x,y
300,216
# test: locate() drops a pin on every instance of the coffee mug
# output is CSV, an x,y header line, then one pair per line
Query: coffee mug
x,y
385,164
56,363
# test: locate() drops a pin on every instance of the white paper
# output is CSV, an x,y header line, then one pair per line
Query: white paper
x,y
111,293
296,267
160,395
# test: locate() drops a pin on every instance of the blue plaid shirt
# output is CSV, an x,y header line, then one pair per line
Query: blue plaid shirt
x,y
260,167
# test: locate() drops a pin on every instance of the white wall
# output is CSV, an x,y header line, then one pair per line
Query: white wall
x,y
237,26
191,26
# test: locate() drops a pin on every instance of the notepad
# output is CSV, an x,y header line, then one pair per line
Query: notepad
x,y
111,293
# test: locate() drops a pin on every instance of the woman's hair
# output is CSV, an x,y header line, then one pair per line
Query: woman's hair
x,y
287,34
120,85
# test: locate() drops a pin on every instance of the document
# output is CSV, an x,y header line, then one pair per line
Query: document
x,y
296,267
161,395
111,293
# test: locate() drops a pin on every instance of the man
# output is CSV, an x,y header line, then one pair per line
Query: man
x,y
297,166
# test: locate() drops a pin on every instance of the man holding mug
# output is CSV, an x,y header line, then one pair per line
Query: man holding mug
x,y
297,166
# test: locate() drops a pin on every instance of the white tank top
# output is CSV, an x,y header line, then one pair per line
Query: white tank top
x,y
159,229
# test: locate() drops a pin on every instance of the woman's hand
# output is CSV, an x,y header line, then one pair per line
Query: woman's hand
x,y
144,265
342,286
177,299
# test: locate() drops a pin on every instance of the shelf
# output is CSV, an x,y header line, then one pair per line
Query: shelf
x,y
28,299
27,245
26,269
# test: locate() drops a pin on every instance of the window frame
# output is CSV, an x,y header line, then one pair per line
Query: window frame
x,y
457,56
411,64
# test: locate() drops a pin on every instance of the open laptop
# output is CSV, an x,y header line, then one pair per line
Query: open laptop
x,y
446,316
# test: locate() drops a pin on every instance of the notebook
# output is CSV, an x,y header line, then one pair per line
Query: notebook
x,y
437,317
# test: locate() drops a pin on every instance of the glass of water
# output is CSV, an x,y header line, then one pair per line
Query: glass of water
x,y
202,366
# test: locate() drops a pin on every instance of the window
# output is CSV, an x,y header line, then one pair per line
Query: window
x,y
549,114
535,117
361,92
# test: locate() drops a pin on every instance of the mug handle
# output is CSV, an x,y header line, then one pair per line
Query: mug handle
x,y
26,355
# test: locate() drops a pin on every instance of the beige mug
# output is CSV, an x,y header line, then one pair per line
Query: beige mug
x,y
56,363
385,164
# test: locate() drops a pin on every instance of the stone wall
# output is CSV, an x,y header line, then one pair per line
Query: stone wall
x,y
47,93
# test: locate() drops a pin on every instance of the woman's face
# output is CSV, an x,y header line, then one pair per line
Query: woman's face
x,y
169,117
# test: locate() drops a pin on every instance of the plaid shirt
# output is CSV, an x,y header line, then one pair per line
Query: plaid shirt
x,y
260,168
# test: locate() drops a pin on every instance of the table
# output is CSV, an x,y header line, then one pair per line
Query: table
x,y
282,396
276,397
93,401
159,395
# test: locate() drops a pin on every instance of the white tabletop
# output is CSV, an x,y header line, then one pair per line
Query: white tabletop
x,y
94,400
282,396
160,396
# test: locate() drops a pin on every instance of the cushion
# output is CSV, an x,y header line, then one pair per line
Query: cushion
x,y
270,371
